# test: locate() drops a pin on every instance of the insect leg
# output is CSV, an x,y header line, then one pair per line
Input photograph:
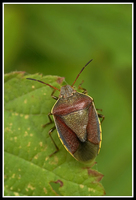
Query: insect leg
x,y
52,95
50,120
101,116
84,91
99,109
50,131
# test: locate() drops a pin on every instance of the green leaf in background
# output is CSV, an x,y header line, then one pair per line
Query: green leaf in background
x,y
28,169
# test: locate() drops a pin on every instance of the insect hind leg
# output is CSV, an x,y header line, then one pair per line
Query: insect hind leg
x,y
50,132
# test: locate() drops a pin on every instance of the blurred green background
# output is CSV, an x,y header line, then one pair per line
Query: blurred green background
x,y
59,39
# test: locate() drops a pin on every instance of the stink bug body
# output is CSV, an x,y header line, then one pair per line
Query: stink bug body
x,y
77,122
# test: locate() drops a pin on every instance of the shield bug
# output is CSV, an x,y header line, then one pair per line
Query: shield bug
x,y
77,121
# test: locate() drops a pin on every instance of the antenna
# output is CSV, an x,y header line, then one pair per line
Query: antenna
x,y
44,83
80,72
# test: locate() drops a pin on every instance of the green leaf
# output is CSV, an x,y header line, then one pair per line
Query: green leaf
x,y
28,169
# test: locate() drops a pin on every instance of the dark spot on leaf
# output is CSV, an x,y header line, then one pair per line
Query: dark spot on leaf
x,y
55,185
60,182
60,79
94,173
